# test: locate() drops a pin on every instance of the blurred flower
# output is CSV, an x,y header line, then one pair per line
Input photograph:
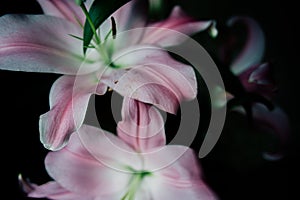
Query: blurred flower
x,y
135,165
255,76
133,66
256,86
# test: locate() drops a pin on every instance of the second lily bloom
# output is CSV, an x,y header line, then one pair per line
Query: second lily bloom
x,y
136,164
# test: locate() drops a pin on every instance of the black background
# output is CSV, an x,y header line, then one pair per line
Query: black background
x,y
24,96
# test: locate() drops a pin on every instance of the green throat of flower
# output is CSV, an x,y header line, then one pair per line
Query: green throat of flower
x,y
104,48
135,183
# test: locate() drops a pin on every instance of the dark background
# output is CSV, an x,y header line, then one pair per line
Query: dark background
x,y
234,169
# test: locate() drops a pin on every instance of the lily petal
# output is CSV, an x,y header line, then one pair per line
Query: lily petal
x,y
194,190
181,178
177,21
75,169
37,43
109,149
253,49
258,79
68,105
53,190
66,9
142,126
154,78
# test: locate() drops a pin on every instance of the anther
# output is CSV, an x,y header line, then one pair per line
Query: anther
x,y
113,27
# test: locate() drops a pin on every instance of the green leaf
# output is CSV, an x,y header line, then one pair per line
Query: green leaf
x,y
99,11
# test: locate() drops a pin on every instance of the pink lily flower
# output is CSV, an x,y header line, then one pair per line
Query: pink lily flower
x,y
256,78
254,75
139,69
135,165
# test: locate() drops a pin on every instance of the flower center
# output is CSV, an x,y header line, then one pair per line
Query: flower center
x,y
104,48
135,183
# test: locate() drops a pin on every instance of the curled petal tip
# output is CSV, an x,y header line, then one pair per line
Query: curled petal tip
x,y
261,75
213,31
26,185
49,143
20,177
52,147
177,12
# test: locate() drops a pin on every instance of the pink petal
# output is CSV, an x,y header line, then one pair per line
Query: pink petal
x,y
66,9
39,43
154,78
254,48
165,156
258,79
53,190
178,21
76,170
142,126
68,104
194,191
261,75
275,122
109,149
180,179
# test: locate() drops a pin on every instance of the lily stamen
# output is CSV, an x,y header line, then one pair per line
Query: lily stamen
x,y
113,27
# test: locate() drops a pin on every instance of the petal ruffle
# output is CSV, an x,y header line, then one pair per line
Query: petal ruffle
x,y
254,48
66,9
75,169
39,43
142,126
